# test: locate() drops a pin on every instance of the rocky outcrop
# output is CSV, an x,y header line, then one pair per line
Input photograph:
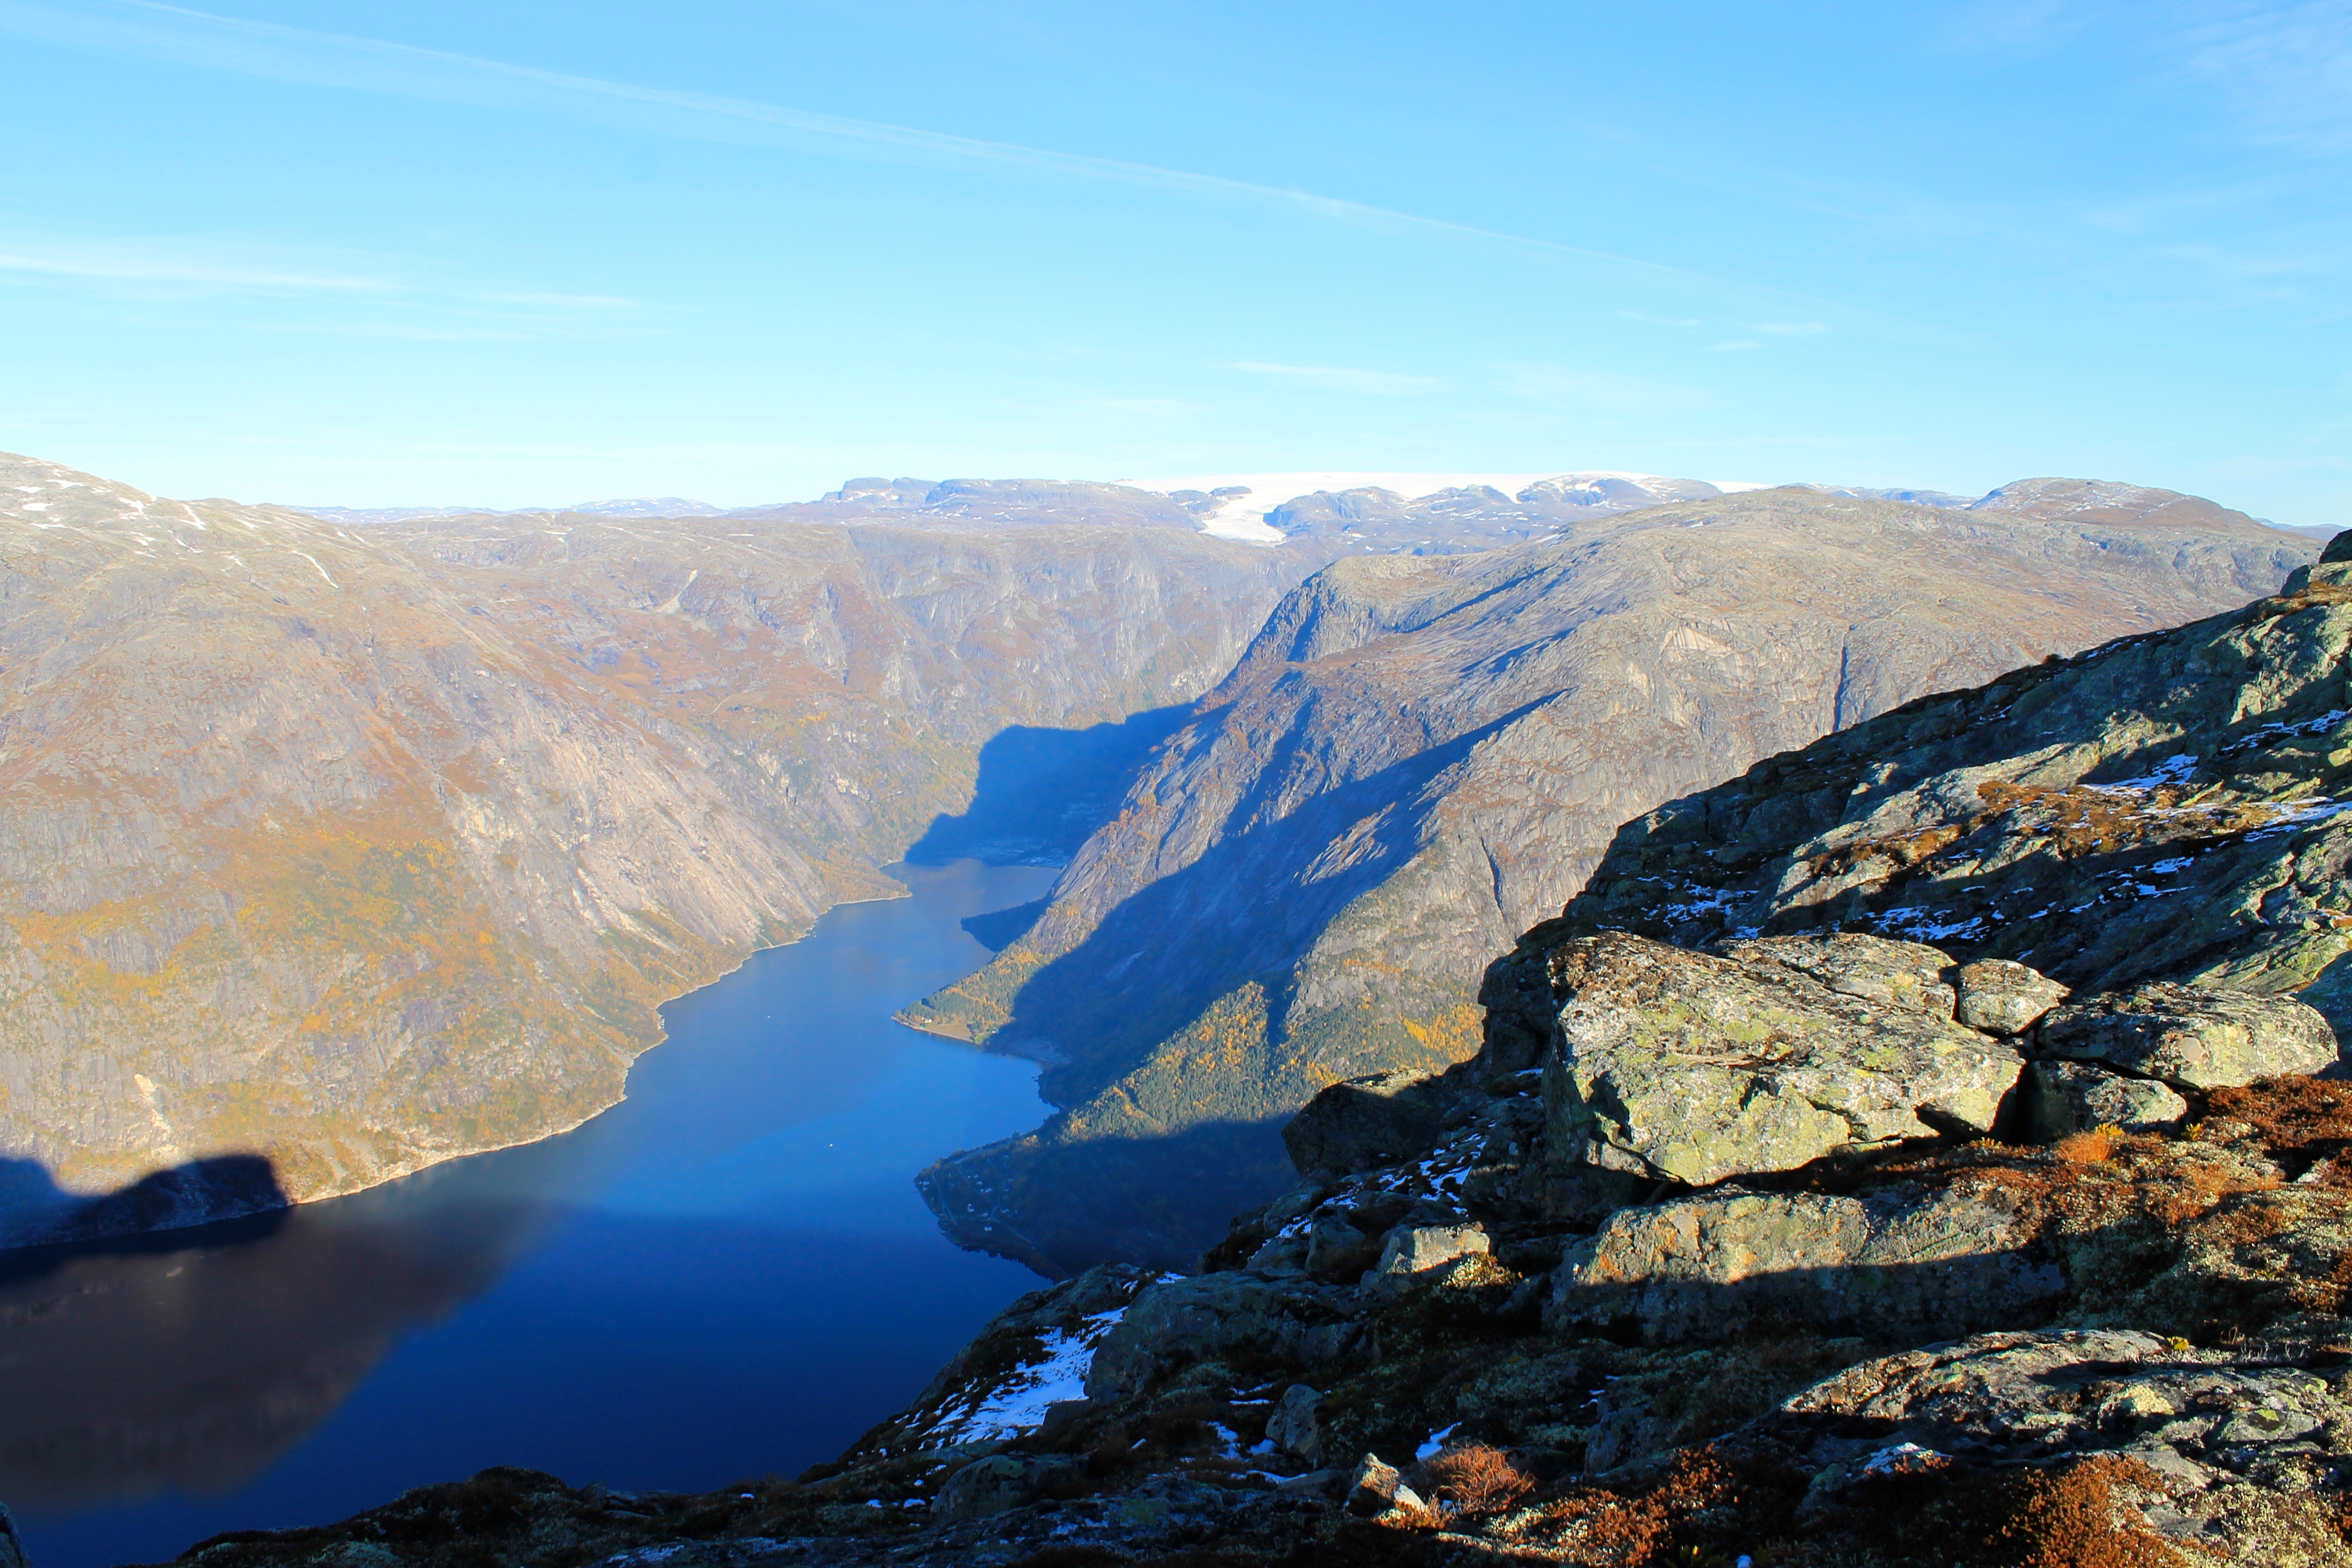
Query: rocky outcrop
x,y
1894,1261
1418,758
2220,1456
2059,1098
2163,809
1692,1068
2191,1037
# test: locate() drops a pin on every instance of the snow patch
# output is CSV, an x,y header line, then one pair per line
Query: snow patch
x,y
1243,517
1018,1404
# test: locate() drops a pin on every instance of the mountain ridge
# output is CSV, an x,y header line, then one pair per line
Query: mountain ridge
x,y
356,849
1418,756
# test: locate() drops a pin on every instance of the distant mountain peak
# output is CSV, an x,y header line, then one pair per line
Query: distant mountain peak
x,y
642,506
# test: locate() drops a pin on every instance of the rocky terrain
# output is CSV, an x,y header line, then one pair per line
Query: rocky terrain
x,y
329,852
1777,1238
1418,758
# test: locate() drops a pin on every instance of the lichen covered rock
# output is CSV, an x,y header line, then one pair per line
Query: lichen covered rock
x,y
1694,1067
1894,1261
2192,1036
2001,996
2060,1098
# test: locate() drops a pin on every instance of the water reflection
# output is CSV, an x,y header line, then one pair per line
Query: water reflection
x,y
193,1369
730,1273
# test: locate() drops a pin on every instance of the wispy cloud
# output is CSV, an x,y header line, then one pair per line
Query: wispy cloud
x,y
119,262
1790,329
1644,316
1733,345
2022,27
2238,264
2285,68
1154,405
1332,378
278,52
360,301
1603,390
2288,66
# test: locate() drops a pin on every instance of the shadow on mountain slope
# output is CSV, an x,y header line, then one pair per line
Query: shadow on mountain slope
x,y
1141,1197
1040,792
1175,1102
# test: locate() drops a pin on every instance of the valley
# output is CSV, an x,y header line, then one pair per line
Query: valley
x,y
1417,758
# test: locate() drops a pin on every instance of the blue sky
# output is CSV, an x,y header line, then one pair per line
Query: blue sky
x,y
510,254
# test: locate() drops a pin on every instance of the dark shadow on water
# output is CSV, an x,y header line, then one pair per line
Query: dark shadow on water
x,y
1000,928
42,1224
189,1359
1061,1208
1041,791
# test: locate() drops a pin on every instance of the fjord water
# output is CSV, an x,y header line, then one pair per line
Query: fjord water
x,y
727,1275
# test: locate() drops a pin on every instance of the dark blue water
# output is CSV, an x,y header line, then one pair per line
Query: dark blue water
x,y
727,1275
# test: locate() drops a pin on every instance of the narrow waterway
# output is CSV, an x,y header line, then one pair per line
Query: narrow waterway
x,y
727,1275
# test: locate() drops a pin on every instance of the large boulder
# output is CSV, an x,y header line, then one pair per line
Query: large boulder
x,y
1364,1122
2192,1036
1286,1322
1415,1251
2001,996
2195,1417
1897,1261
999,1483
1297,1423
2057,1098
1696,1067
1003,1482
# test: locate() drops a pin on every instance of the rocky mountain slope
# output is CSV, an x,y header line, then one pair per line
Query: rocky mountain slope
x,y
333,849
326,853
1812,1245
1420,757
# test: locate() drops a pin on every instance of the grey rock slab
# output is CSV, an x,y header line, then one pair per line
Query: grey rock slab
x,y
1696,1068
1410,1251
2057,1098
2001,996
1895,1261
2022,1397
1290,1321
1374,1488
1297,1423
1908,974
1365,1122
2192,1036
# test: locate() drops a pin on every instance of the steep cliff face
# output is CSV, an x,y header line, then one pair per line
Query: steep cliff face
x,y
1418,758
2165,806
358,848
